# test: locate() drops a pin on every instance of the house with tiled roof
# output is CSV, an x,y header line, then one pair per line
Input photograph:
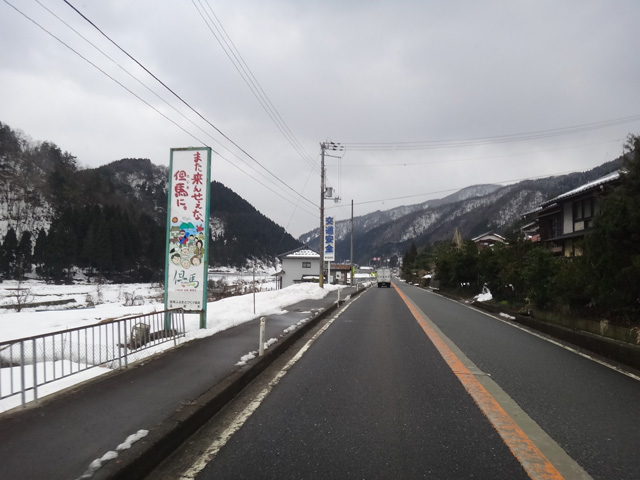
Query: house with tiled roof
x,y
299,265
564,220
488,240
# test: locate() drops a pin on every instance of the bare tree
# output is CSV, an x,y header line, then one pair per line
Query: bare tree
x,y
22,296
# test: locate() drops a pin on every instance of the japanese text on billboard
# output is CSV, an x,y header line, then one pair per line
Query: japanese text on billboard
x,y
329,239
188,229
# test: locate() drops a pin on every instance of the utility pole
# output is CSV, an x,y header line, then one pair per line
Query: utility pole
x,y
351,261
324,146
321,277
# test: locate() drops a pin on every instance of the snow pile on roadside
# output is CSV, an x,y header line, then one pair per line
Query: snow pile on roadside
x,y
221,315
233,311
113,454
485,296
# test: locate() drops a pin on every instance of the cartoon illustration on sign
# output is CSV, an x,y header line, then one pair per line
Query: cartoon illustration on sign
x,y
186,243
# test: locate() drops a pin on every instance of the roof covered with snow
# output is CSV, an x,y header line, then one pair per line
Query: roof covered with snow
x,y
489,236
586,187
302,253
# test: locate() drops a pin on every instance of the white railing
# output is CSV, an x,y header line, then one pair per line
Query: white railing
x,y
28,363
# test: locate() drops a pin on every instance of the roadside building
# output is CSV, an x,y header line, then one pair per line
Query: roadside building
x,y
299,265
340,274
488,240
565,220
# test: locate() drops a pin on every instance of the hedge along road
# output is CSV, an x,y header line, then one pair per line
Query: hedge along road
x,y
374,398
589,410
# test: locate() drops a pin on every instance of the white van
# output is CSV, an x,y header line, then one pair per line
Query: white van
x,y
384,277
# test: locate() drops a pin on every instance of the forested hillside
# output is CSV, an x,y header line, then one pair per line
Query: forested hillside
x,y
472,211
56,217
599,281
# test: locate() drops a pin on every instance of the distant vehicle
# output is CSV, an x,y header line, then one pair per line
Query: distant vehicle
x,y
384,277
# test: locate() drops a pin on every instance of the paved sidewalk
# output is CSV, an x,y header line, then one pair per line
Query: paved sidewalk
x,y
169,395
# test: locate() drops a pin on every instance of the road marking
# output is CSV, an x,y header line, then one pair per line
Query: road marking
x,y
530,331
213,449
557,343
535,463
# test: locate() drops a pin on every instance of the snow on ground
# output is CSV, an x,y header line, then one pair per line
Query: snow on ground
x,y
88,304
93,304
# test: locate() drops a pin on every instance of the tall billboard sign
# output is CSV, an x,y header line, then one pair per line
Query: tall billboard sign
x,y
185,284
329,239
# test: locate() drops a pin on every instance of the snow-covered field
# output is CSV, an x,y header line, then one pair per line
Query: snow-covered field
x,y
83,305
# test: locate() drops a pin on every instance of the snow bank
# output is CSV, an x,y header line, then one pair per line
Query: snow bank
x,y
221,315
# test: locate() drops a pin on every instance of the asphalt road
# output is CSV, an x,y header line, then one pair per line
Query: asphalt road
x,y
371,398
384,390
59,438
590,410
374,396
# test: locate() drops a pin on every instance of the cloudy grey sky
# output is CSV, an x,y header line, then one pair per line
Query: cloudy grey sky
x,y
427,96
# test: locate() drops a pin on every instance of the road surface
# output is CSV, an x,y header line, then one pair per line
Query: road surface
x,y
407,384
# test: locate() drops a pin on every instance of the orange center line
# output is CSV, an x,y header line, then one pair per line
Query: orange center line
x,y
537,466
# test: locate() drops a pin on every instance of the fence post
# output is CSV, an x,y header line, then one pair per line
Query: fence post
x,y
174,327
22,376
35,370
261,346
120,345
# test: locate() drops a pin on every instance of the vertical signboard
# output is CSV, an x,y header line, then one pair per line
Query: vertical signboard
x,y
329,239
185,284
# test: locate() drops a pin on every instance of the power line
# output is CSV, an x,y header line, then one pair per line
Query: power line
x,y
245,72
243,69
455,160
100,70
478,141
142,100
158,97
184,101
453,189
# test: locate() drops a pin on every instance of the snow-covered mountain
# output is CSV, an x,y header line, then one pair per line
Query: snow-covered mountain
x,y
473,211
116,211
39,182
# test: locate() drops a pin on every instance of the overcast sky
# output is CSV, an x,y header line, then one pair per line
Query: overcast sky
x,y
404,85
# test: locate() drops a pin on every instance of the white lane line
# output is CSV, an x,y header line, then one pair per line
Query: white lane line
x,y
547,339
561,461
559,344
244,415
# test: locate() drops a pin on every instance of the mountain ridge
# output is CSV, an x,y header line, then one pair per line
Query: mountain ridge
x,y
40,183
473,210
44,191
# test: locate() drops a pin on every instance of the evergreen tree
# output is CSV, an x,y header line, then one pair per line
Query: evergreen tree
x,y
408,259
613,249
39,251
8,258
60,252
101,246
24,256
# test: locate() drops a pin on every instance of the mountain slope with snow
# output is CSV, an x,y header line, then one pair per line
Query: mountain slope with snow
x,y
473,211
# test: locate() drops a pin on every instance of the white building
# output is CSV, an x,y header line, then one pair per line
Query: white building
x,y
300,265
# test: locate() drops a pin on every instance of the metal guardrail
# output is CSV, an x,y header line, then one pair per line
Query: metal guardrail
x,y
28,363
